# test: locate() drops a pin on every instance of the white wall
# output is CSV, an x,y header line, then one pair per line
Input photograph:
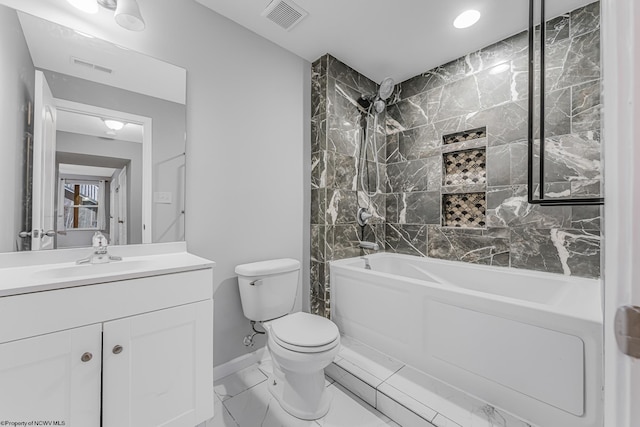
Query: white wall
x,y
17,76
245,121
247,111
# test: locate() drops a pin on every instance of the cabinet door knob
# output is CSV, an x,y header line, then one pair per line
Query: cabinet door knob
x,y
117,349
86,357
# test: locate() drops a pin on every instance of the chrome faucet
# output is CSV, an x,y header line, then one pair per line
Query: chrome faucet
x,y
100,254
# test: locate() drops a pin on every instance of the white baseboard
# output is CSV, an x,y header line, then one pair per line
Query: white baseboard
x,y
239,363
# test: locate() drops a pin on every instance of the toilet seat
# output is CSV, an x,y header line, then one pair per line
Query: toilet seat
x,y
305,333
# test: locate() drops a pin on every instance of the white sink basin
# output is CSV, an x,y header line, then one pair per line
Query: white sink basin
x,y
84,270
25,272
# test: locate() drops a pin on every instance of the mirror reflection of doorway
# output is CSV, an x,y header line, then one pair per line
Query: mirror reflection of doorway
x,y
42,232
119,208
70,136
94,136
103,176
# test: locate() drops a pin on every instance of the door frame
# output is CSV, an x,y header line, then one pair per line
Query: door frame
x,y
43,170
121,214
147,153
621,250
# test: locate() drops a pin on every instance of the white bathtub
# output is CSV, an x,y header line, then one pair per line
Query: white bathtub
x,y
529,343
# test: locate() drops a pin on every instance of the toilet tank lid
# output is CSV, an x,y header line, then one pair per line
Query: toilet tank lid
x,y
265,268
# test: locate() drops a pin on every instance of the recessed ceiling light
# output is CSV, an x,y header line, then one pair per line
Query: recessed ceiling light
x,y
466,19
87,6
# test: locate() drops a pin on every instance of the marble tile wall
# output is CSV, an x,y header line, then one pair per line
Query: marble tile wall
x,y
487,91
488,88
336,193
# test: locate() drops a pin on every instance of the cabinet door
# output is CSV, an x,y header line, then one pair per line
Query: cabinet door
x,y
158,368
46,378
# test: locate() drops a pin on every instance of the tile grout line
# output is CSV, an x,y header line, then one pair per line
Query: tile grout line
x,y
409,409
400,391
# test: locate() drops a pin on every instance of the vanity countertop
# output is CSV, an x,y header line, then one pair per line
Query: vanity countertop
x,y
60,273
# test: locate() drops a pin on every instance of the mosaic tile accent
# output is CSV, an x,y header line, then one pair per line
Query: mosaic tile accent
x,y
465,167
464,210
465,136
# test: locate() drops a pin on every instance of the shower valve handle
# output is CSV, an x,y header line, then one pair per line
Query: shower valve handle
x,y
363,216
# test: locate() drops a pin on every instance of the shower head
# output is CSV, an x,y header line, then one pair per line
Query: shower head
x,y
379,105
386,88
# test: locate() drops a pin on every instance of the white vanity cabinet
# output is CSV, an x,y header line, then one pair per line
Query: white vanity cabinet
x,y
125,353
44,379
153,366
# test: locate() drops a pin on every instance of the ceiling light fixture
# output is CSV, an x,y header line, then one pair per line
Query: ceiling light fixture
x,y
126,13
466,19
87,6
113,124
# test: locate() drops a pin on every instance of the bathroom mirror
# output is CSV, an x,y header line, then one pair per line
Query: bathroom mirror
x,y
117,121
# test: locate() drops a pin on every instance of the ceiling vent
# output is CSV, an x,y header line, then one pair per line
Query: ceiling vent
x,y
284,13
87,64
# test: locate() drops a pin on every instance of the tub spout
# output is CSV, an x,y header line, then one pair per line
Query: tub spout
x,y
369,245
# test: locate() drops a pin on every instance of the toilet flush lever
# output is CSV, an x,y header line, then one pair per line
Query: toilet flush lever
x,y
256,282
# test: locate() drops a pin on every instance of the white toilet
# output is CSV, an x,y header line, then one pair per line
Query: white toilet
x,y
301,344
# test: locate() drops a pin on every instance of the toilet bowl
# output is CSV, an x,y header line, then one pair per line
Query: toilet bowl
x,y
301,344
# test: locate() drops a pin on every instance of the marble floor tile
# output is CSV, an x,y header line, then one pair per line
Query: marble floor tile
x,y
454,406
355,385
416,386
412,403
400,413
222,416
266,366
361,372
442,421
236,383
368,364
348,410
257,407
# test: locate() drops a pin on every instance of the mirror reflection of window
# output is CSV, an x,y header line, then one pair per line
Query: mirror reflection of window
x,y
82,204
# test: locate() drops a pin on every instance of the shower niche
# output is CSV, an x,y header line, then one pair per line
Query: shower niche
x,y
464,180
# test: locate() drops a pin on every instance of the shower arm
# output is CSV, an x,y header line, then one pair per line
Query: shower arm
x,y
530,134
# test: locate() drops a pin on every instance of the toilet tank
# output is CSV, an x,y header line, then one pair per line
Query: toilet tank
x,y
268,288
